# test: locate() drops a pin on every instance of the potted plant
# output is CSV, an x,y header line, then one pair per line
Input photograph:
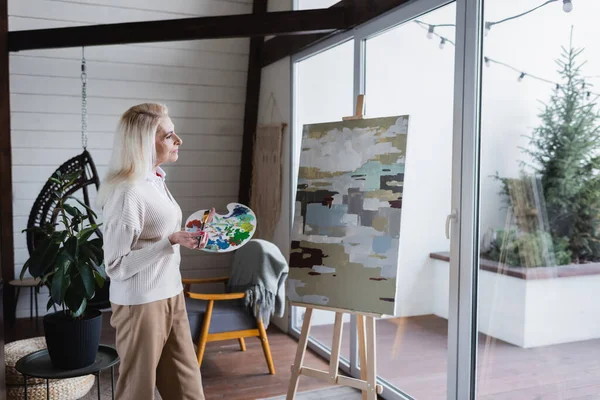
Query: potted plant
x,y
71,264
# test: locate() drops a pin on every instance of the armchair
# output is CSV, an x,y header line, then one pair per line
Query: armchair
x,y
215,317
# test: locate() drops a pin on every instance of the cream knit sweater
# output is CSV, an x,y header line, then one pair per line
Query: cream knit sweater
x,y
140,261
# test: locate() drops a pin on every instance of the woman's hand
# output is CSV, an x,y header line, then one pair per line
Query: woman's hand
x,y
189,239
195,240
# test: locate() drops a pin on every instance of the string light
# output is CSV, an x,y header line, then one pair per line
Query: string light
x,y
488,26
430,32
523,74
567,6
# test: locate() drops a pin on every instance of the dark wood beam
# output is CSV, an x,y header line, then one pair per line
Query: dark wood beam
x,y
228,26
251,106
7,256
357,11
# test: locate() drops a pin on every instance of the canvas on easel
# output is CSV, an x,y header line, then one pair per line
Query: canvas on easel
x,y
345,239
346,231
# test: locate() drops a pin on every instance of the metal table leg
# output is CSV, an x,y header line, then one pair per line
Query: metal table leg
x,y
47,389
17,298
99,398
25,379
31,304
112,381
36,302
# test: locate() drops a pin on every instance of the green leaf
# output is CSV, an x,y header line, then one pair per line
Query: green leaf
x,y
59,283
84,205
72,247
81,309
75,303
99,269
24,269
87,277
43,257
70,209
50,304
85,234
95,245
99,279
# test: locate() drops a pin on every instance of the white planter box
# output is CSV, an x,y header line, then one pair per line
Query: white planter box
x,y
530,307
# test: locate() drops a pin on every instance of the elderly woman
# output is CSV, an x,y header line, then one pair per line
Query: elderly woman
x,y
142,239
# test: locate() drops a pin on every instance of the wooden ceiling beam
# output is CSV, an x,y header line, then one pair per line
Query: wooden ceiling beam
x,y
358,12
228,26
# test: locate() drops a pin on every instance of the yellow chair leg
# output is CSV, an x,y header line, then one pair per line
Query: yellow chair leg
x,y
204,332
242,344
265,345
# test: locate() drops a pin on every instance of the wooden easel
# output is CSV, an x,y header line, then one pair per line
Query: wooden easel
x,y
366,339
366,352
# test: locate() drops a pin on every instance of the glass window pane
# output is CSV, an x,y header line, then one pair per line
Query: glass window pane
x,y
408,73
323,93
539,272
312,4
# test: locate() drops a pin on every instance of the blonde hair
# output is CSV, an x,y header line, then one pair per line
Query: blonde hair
x,y
134,149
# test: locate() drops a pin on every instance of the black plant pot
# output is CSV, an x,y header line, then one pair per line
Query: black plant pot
x,y
72,343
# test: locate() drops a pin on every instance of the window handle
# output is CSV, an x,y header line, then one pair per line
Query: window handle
x,y
451,216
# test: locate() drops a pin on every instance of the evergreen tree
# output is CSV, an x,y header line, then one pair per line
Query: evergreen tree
x,y
565,154
565,151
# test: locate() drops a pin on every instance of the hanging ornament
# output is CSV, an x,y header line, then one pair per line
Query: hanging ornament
x,y
567,6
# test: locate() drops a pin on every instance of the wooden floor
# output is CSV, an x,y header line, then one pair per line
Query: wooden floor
x,y
227,372
412,354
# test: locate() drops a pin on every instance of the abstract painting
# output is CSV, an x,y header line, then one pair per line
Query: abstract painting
x,y
226,232
345,239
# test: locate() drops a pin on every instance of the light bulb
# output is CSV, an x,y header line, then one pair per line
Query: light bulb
x,y
521,76
488,27
567,6
442,43
430,32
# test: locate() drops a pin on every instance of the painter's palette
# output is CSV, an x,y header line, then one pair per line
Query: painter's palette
x,y
226,232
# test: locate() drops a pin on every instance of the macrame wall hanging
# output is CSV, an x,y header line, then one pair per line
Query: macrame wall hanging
x,y
265,192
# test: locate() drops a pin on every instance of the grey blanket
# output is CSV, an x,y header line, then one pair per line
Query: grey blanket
x,y
260,270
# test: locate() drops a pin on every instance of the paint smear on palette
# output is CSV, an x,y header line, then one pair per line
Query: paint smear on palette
x,y
226,232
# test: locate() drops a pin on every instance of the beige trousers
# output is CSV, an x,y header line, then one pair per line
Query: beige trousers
x,y
156,350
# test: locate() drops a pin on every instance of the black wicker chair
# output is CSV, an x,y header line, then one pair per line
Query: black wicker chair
x,y
44,208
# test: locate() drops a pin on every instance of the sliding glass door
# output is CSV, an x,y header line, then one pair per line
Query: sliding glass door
x,y
409,69
500,253
403,68
539,265
323,92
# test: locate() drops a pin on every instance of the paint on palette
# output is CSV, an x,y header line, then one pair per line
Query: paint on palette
x,y
346,233
226,232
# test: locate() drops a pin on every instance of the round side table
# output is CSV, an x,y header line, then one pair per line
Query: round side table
x,y
38,365
30,283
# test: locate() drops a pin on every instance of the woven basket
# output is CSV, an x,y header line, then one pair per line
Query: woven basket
x,y
14,351
62,389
